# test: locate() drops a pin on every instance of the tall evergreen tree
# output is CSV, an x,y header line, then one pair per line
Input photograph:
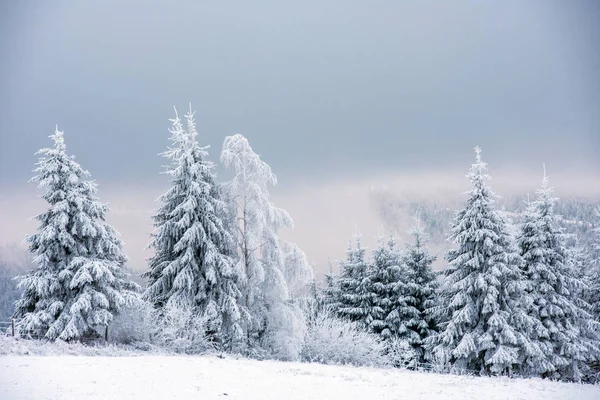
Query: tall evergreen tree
x,y
593,295
594,270
596,241
275,323
330,296
420,291
482,287
79,282
564,330
355,290
385,277
191,266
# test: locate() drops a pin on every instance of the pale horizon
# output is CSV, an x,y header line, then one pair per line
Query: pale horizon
x,y
340,101
326,213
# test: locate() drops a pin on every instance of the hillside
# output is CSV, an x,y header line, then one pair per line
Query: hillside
x,y
577,216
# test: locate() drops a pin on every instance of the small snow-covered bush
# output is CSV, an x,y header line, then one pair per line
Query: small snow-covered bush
x,y
331,340
133,324
176,329
402,354
286,334
181,330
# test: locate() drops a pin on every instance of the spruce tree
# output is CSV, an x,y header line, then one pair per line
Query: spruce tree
x,y
564,329
481,289
594,269
192,266
330,296
79,282
593,295
385,277
355,287
420,291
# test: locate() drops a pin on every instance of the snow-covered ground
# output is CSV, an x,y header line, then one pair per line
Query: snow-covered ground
x,y
209,377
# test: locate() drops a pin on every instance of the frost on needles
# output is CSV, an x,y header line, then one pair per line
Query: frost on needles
x,y
419,293
79,283
192,267
355,286
480,311
217,251
593,268
385,279
564,328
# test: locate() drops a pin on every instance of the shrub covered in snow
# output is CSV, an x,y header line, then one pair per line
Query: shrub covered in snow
x,y
173,329
181,330
284,340
402,354
331,340
134,324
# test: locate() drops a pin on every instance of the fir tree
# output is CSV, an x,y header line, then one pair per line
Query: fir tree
x,y
420,291
482,287
191,267
313,296
564,330
330,296
385,277
593,295
79,282
355,286
594,269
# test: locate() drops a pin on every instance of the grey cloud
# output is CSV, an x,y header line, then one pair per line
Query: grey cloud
x,y
341,98
320,88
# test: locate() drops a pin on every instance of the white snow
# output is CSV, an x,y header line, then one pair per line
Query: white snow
x,y
209,377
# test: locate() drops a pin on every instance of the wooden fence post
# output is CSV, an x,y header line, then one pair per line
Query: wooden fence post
x,y
12,323
106,334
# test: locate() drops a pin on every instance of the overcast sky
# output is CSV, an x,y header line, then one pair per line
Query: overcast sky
x,y
342,91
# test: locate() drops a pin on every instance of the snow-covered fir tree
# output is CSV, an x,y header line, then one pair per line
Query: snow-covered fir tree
x,y
593,295
564,329
313,299
420,291
79,283
275,323
596,241
385,277
482,287
330,296
355,288
192,266
594,269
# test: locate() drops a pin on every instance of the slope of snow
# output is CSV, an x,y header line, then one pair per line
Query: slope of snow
x,y
16,346
209,377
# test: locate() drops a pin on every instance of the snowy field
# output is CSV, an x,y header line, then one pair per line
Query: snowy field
x,y
209,377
